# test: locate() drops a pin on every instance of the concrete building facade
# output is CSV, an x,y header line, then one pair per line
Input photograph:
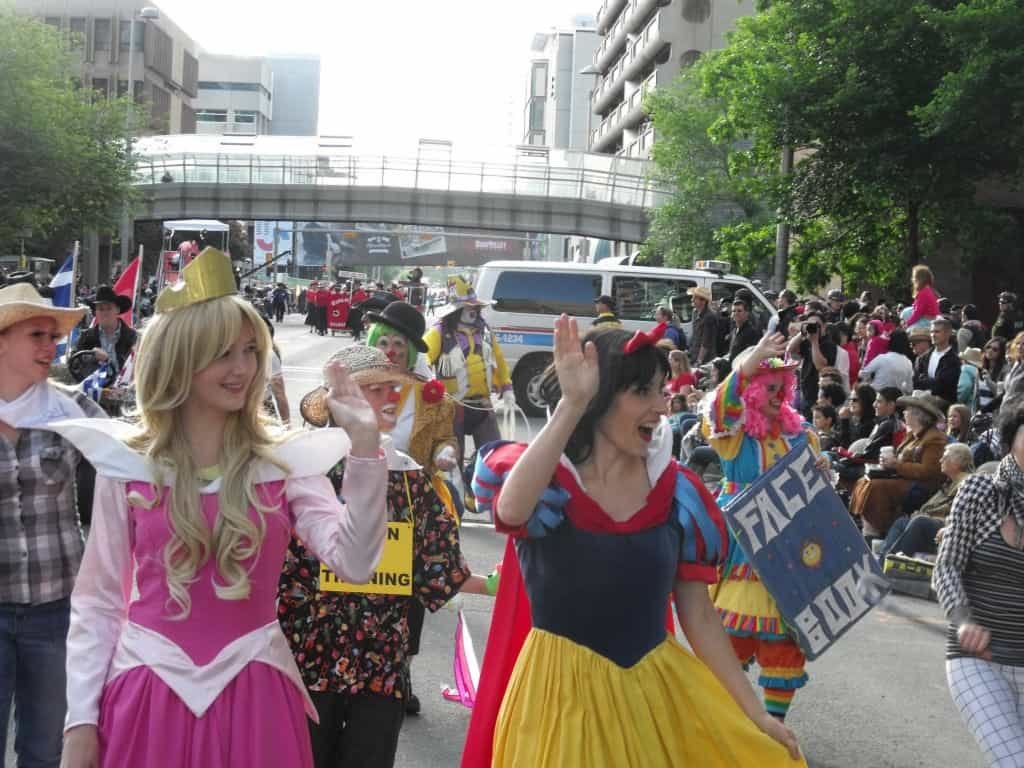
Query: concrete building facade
x,y
236,95
164,63
644,44
556,111
296,95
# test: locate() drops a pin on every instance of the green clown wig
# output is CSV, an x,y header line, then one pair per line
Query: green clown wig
x,y
383,329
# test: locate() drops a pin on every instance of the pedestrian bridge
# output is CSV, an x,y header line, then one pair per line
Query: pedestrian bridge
x,y
520,189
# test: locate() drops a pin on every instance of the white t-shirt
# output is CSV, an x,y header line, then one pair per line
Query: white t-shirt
x,y
890,369
933,361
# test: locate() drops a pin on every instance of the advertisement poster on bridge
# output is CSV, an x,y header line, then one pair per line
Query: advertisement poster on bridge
x,y
343,246
263,240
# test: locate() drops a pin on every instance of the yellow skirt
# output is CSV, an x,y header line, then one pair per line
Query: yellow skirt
x,y
568,707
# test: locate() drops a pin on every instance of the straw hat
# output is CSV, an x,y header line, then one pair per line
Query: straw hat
x,y
973,356
366,365
700,292
22,302
926,401
919,334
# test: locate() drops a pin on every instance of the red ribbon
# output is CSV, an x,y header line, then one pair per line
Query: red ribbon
x,y
641,340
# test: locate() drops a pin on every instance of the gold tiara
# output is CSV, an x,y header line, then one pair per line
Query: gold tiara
x,y
208,276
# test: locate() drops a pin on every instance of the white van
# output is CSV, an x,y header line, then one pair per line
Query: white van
x,y
527,296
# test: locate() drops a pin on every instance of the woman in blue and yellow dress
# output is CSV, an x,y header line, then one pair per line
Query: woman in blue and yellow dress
x,y
751,424
606,527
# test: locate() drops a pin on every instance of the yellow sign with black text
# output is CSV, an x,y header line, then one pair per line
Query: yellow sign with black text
x,y
394,572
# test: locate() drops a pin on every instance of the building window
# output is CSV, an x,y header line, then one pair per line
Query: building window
x,y
190,74
697,11
77,30
211,115
53,21
539,81
125,35
140,91
537,114
688,59
101,85
537,138
101,34
245,116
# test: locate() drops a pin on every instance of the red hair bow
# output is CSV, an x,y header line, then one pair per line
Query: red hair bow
x,y
641,339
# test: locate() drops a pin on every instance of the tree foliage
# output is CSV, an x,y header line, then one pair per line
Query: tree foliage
x,y
897,111
63,160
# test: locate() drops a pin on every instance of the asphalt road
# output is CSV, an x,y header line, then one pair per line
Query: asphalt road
x,y
878,699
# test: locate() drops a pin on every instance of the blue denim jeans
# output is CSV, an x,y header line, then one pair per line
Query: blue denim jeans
x,y
33,642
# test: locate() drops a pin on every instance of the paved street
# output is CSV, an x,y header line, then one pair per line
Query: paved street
x,y
877,700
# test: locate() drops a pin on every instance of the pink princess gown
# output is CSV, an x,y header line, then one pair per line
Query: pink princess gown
x,y
218,689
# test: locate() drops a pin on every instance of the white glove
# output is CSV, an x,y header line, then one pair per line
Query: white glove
x,y
445,458
508,399
455,604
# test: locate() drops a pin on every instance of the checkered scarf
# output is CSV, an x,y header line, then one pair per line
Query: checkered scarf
x,y
1009,482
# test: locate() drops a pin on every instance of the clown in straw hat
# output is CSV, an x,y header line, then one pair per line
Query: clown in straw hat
x,y
43,543
468,360
353,644
751,423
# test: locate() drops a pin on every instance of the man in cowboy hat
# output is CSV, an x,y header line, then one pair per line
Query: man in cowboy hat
x,y
704,337
469,361
41,541
112,339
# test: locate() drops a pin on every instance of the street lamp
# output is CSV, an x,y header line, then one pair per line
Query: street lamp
x,y
149,13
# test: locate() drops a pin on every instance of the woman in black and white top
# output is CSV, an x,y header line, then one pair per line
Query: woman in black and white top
x,y
979,578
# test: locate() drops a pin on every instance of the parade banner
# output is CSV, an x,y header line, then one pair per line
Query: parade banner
x,y
394,572
805,549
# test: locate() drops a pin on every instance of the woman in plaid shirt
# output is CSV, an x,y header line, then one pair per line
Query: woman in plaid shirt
x,y
979,578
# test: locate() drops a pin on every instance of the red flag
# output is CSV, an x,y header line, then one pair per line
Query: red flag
x,y
126,285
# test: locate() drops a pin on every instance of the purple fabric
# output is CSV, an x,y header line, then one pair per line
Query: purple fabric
x,y
257,720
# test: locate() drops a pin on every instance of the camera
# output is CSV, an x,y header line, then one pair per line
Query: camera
x,y
811,328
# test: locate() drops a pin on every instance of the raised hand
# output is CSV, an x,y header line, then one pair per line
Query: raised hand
x,y
350,411
578,373
771,345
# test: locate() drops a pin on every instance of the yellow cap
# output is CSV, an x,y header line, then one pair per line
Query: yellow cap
x,y
208,276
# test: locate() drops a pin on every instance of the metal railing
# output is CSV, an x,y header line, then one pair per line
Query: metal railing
x,y
551,174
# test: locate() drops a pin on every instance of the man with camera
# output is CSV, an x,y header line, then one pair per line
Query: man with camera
x,y
815,352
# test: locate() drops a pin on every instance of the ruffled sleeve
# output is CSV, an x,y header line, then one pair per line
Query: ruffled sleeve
x,y
723,416
494,462
705,537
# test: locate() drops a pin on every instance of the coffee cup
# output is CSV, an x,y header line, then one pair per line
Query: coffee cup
x,y
887,453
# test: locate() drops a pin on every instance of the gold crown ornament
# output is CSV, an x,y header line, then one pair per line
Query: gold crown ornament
x,y
208,276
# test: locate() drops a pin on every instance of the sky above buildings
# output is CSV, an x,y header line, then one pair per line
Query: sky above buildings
x,y
394,72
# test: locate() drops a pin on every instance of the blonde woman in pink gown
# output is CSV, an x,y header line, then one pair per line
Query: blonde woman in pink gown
x,y
175,657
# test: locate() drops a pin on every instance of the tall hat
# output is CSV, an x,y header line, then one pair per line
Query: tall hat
x,y
405,319
208,276
460,295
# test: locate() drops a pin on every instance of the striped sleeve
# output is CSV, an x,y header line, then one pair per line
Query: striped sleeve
x,y
494,462
722,414
705,538
976,496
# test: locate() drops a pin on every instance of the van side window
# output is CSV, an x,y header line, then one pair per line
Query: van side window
x,y
546,293
722,292
636,298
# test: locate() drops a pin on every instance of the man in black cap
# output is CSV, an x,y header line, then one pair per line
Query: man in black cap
x,y
604,307
835,306
1008,324
112,340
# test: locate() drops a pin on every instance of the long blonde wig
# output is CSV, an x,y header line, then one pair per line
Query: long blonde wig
x,y
174,347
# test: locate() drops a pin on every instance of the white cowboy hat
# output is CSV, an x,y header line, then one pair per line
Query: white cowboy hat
x,y
22,302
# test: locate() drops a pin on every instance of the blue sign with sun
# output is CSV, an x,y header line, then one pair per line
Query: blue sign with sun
x,y
805,548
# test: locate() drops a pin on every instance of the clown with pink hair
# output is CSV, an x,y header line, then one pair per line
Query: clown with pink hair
x,y
750,422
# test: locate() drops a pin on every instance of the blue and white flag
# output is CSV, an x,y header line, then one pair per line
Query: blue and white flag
x,y
63,290
93,384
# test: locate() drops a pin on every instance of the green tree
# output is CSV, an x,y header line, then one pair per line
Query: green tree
x,y
717,204
63,162
897,110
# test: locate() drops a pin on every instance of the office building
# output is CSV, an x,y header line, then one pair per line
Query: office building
x,y
557,112
296,95
164,65
644,45
236,95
